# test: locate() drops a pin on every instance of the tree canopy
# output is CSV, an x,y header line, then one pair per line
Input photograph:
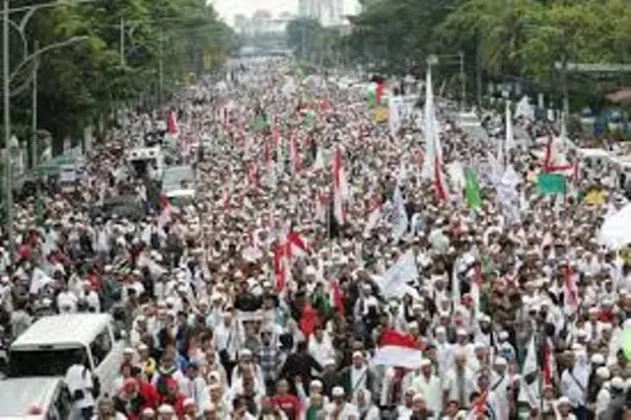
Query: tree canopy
x,y
503,40
86,80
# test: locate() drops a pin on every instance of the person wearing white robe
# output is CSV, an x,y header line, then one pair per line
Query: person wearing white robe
x,y
500,384
429,386
365,405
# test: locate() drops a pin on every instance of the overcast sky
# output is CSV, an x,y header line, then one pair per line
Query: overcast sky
x,y
229,8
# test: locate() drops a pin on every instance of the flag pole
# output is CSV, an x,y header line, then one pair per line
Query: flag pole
x,y
539,366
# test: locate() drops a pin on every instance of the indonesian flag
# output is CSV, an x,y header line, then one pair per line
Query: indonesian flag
x,y
292,245
340,187
296,245
380,89
166,211
172,125
322,203
570,290
439,178
398,350
225,199
325,105
554,161
281,267
253,175
374,215
295,156
338,297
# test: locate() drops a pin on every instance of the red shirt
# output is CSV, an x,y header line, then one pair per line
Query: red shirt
x,y
290,404
149,394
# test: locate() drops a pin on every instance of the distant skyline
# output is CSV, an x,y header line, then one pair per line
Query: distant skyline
x,y
228,9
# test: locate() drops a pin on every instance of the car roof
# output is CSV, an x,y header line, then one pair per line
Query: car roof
x,y
62,330
20,395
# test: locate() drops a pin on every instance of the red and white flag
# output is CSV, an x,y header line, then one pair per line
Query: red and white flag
x,y
291,246
554,160
340,187
398,350
166,211
440,187
432,165
374,215
253,175
172,125
570,290
225,199
322,203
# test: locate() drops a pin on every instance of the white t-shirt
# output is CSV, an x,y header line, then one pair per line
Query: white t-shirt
x,y
67,302
79,378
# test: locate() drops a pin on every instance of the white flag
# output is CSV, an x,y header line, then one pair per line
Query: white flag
x,y
394,280
399,216
529,392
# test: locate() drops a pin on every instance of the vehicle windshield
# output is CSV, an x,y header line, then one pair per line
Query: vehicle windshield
x,y
42,362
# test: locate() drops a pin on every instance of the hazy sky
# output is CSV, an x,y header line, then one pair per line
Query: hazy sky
x,y
228,8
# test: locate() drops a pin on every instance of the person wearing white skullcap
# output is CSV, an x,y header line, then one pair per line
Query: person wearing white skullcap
x,y
500,383
459,381
428,384
339,407
166,412
574,382
564,409
365,405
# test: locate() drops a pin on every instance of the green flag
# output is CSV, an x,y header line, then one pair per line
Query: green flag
x,y
626,344
259,122
309,117
472,189
372,98
551,184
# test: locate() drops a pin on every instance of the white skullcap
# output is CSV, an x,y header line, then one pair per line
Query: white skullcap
x,y
598,359
603,372
500,361
617,382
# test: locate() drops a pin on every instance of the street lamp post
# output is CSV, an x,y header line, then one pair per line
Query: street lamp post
x,y
7,77
7,129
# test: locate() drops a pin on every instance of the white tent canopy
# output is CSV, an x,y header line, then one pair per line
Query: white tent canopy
x,y
616,231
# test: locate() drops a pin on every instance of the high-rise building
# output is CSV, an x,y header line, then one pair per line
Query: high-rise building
x,y
303,8
327,12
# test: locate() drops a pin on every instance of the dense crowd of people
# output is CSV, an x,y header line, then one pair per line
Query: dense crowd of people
x,y
264,298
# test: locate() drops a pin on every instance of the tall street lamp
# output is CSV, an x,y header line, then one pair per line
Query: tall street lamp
x,y
7,77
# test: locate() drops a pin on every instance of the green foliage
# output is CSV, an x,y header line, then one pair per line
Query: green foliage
x,y
501,39
86,80
311,41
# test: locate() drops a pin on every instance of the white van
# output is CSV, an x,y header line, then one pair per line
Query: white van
x,y
34,399
52,344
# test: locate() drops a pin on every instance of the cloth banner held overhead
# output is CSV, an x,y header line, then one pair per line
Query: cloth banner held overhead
x,y
394,282
551,184
398,350
380,114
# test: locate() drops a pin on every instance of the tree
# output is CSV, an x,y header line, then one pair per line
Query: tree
x,y
501,40
303,36
86,81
